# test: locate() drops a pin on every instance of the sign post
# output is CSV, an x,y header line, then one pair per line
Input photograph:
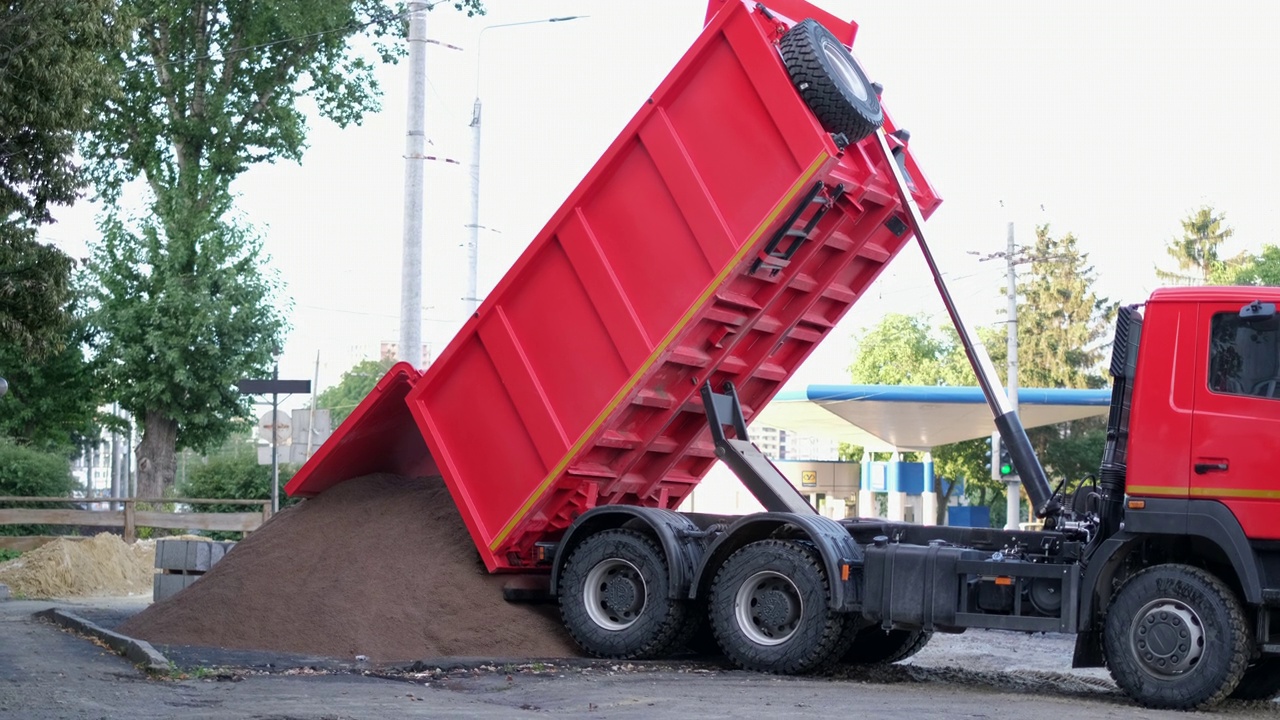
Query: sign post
x,y
274,387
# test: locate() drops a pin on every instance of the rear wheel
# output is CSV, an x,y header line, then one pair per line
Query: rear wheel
x,y
1176,638
1261,681
768,608
614,598
831,83
873,646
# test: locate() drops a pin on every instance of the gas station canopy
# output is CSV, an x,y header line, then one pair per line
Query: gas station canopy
x,y
898,417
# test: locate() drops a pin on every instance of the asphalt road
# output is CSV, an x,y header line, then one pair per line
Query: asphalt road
x,y
46,672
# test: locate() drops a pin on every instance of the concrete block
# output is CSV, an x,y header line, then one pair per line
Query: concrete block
x,y
200,555
164,585
190,555
171,554
4,592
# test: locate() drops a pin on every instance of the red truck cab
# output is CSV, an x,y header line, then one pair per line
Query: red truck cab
x,y
1205,413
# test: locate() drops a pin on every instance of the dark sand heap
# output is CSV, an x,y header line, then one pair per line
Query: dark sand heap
x,y
380,566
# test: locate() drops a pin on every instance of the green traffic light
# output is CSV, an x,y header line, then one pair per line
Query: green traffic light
x,y
1006,469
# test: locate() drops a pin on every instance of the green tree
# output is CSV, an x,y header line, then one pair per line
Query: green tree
x,y
179,327
52,79
352,387
1063,325
1197,253
1064,328
35,292
52,401
207,90
907,350
1249,269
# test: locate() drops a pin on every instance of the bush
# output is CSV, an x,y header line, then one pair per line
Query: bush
x,y
30,473
233,477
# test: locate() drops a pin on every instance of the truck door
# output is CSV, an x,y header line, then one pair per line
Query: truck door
x,y
1236,422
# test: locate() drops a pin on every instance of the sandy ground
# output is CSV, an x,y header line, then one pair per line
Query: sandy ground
x,y
48,673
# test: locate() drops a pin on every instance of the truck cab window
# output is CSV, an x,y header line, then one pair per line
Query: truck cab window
x,y
1244,357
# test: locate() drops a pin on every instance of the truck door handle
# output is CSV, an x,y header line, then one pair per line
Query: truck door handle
x,y
1208,467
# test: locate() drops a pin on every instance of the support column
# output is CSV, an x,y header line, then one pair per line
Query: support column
x,y
897,506
866,499
928,499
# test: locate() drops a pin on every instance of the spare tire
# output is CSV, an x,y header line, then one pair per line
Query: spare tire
x,y
830,81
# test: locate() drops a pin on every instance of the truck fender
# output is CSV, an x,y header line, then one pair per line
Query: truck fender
x,y
680,538
837,548
1208,519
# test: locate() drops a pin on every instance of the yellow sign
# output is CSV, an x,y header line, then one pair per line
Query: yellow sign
x,y
809,478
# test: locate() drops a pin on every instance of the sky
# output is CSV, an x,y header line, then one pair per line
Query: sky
x,y
1109,120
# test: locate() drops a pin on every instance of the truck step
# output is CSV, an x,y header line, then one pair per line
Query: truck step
x,y
1271,598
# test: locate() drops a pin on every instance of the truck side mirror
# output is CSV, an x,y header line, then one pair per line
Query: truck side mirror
x,y
1257,311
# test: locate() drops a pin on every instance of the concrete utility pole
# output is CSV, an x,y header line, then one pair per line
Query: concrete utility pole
x,y
1013,491
409,348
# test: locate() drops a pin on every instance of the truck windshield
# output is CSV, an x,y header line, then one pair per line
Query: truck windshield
x,y
1244,357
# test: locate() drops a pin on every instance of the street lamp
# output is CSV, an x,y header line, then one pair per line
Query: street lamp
x,y
473,236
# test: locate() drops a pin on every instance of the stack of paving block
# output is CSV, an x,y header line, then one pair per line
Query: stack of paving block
x,y
182,562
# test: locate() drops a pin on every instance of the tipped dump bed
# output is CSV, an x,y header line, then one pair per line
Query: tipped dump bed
x,y
575,384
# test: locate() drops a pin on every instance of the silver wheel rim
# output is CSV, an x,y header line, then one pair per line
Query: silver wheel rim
x,y
1167,638
843,64
614,594
768,608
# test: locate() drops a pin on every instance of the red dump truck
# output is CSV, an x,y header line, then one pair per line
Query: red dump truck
x,y
749,203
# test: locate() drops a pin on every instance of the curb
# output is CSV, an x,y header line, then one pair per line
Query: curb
x,y
139,652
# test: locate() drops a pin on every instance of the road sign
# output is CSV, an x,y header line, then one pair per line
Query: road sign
x,y
282,430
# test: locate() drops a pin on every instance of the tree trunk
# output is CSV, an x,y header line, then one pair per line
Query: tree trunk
x,y
942,491
157,455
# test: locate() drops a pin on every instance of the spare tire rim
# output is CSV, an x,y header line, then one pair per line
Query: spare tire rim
x,y
614,594
1167,638
768,608
842,62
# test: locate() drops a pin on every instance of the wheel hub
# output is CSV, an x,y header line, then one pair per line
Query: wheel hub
x,y
1167,638
614,594
768,608
843,64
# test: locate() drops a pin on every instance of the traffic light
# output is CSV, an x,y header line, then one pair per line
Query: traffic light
x,y
1006,462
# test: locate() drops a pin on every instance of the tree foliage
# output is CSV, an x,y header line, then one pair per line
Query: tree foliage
x,y
1063,325
51,80
352,387
906,350
236,476
25,472
52,401
1197,253
35,296
1250,269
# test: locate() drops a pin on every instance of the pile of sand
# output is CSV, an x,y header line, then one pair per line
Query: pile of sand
x,y
100,565
380,566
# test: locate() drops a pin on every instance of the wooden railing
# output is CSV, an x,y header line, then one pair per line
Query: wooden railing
x,y
129,518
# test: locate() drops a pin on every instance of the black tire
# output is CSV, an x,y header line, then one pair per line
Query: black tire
x,y
873,646
830,81
768,608
1261,681
1176,638
625,611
